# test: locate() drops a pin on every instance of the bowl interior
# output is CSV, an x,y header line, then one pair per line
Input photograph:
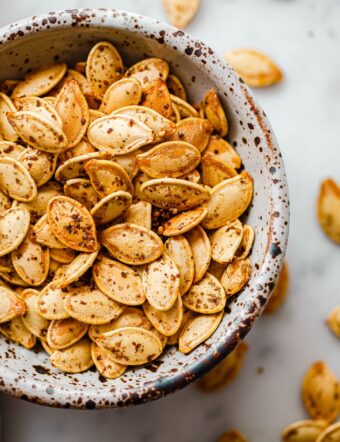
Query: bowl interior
x,y
68,36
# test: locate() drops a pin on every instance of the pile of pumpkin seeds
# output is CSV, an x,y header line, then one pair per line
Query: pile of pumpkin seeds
x,y
120,205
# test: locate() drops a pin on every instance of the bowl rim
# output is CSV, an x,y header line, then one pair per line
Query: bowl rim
x,y
278,227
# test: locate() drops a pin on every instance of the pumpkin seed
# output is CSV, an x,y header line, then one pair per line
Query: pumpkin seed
x,y
148,70
236,276
15,180
9,149
139,213
229,199
128,162
72,224
206,296
16,331
232,436
82,191
163,339
41,81
180,252
215,113
74,359
74,111
184,108
331,434
14,224
176,87
118,281
13,278
198,330
328,209
73,271
187,316
333,321
132,244
140,179
195,131
321,392
64,332
166,322
46,347
225,241
7,132
184,222
41,165
124,92
221,149
104,363
181,12
63,256
104,66
161,283
132,345
157,97
91,306
31,319
74,167
50,302
201,251
170,159
303,431
214,170
176,116
31,261
82,148
111,207
108,177
39,106
175,194
10,305
254,67
246,243
280,291
84,85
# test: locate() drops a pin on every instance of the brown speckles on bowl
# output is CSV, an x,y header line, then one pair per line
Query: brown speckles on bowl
x,y
29,43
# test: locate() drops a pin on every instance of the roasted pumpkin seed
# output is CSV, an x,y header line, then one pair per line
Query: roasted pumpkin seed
x,y
176,87
303,431
214,170
50,302
104,363
148,70
16,331
333,321
32,320
157,97
74,167
14,225
221,149
7,132
183,222
214,112
180,252
41,165
331,434
195,131
81,190
201,251
64,332
139,213
73,271
16,181
10,305
63,256
246,243
181,12
225,242
9,149
236,276
184,108
329,209
111,207
75,358
166,322
39,106
124,92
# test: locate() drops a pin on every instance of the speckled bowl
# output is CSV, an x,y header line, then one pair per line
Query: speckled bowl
x,y
68,36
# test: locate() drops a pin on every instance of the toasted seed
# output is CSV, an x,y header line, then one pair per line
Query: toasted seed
x,y
232,436
13,278
331,434
73,271
84,85
166,322
32,320
132,345
328,209
333,321
224,151
9,149
246,243
7,132
63,256
181,12
104,66
128,162
184,108
195,131
303,431
215,113
176,87
119,134
39,106
41,81
72,224
31,261
255,68
132,244
104,363
184,221
201,251
14,224
206,296
198,330
176,116
124,92
161,127
175,194
50,302
111,207
225,241
74,166
170,159
81,190
74,111
157,97
74,359
163,339
108,177
280,291
140,179
161,283
321,392
229,199
82,148
187,316
41,165
139,213
15,180
236,276
16,331
65,332
180,252
10,305
46,347
118,281
225,371
148,70
91,306
214,170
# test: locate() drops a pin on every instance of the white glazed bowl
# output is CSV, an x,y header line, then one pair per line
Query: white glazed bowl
x,y
68,36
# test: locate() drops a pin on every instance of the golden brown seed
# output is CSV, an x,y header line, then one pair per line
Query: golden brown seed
x,y
303,431
181,12
73,271
185,109
201,251
10,305
221,149
184,222
9,149
81,148
74,359
16,331
236,276
214,170
225,241
104,363
148,70
81,190
50,302
166,322
63,256
13,278
331,434
333,321
14,225
39,106
215,113
139,213
128,162
157,97
246,243
176,87
280,291
225,371
180,252
111,207
7,132
74,166
32,320
195,131
232,436
41,165
15,180
124,92
329,209
65,332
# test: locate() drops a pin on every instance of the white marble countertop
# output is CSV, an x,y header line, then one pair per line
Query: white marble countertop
x,y
304,37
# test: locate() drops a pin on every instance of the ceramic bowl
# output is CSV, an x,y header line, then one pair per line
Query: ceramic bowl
x,y
68,36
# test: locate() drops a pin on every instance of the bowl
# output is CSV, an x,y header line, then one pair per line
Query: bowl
x,y
68,36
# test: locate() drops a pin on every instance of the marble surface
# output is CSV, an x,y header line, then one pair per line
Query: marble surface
x,y
304,37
